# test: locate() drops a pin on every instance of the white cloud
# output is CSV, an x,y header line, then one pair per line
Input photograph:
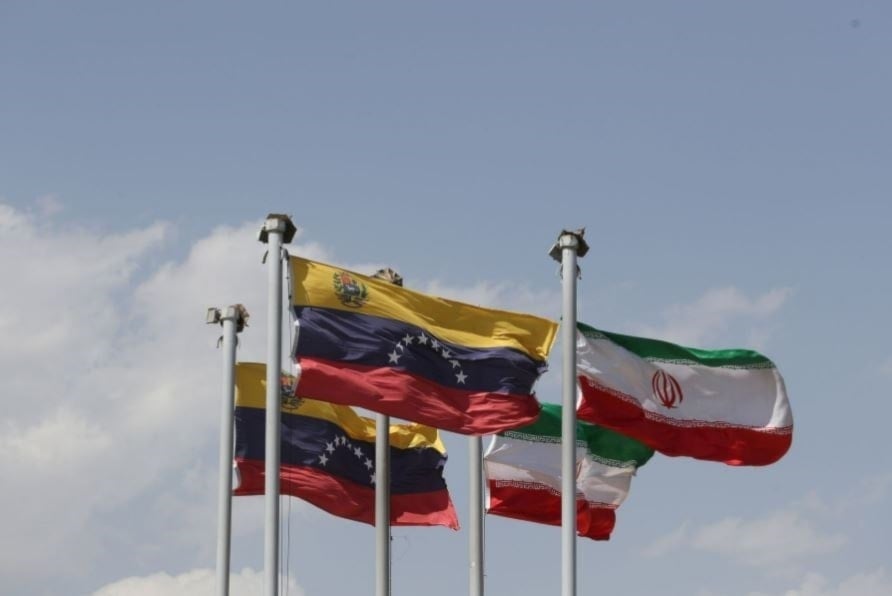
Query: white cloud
x,y
669,543
778,541
12,220
885,367
788,542
64,438
110,403
59,317
198,582
875,583
49,205
868,491
701,322
58,311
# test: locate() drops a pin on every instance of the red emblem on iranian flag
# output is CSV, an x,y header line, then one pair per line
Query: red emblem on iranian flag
x,y
666,389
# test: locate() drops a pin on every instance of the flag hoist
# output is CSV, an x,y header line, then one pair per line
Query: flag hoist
x,y
569,246
277,230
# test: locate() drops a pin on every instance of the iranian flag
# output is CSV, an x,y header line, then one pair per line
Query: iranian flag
x,y
719,405
523,473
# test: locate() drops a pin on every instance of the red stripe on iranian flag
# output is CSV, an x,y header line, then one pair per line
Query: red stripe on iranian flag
x,y
711,440
542,504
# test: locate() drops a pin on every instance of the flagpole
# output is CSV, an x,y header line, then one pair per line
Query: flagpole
x,y
475,513
569,246
382,505
233,319
277,229
382,480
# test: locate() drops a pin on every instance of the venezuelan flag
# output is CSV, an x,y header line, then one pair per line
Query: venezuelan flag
x,y
365,342
328,457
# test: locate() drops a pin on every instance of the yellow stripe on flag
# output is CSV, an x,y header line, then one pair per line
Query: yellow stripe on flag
x,y
324,286
250,392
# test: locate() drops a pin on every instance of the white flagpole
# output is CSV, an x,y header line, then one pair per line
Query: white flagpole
x,y
475,513
233,320
569,245
277,229
382,505
382,480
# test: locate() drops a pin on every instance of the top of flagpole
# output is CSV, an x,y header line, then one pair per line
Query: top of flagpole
x,y
388,274
581,245
277,222
235,312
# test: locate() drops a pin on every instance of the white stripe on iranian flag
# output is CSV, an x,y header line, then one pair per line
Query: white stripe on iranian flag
x,y
735,412
523,479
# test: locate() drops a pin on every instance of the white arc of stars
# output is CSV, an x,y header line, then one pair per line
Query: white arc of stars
x,y
339,441
399,351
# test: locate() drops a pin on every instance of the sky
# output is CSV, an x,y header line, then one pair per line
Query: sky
x,y
729,161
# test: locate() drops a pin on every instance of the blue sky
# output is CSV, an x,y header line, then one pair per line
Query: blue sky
x,y
729,160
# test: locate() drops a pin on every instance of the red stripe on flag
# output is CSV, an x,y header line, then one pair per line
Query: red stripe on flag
x,y
347,499
713,441
404,395
544,506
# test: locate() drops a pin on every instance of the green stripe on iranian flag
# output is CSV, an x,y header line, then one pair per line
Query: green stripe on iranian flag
x,y
523,473
719,405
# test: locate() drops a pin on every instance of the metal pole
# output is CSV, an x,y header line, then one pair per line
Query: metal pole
x,y
382,505
569,244
382,480
233,321
475,513
276,230
568,420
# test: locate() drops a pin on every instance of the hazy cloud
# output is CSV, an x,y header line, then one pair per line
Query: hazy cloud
x,y
49,205
789,542
106,397
867,491
781,538
777,539
198,582
669,543
874,583
702,321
